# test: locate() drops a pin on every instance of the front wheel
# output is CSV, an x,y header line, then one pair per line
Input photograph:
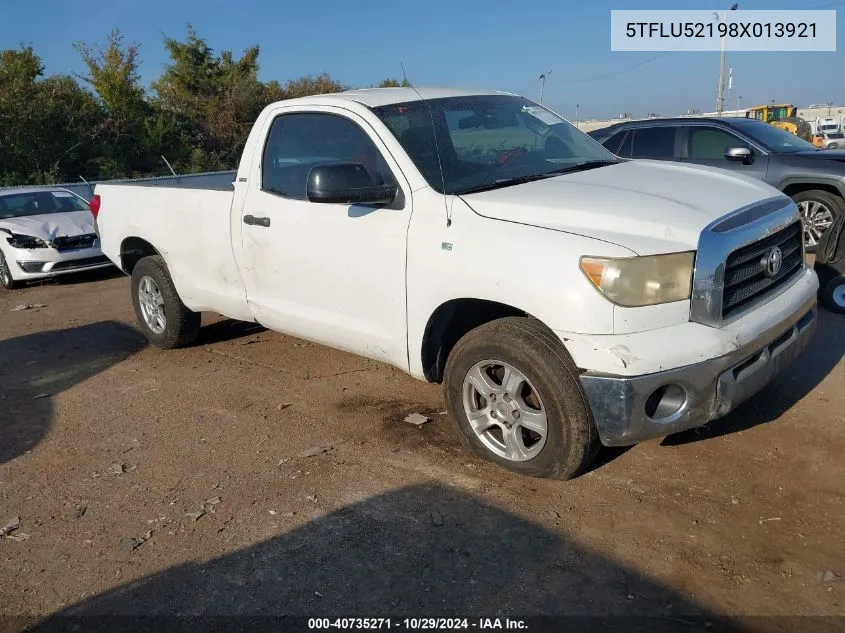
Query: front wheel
x,y
819,209
516,397
833,295
163,318
6,275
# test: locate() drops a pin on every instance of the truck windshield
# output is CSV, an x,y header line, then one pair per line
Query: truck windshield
x,y
486,142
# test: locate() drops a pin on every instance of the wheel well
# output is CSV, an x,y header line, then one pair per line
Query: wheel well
x,y
798,187
449,323
132,250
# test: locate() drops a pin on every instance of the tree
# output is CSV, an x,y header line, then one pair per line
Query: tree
x,y
19,68
216,98
114,77
197,114
113,74
45,124
66,143
308,85
394,83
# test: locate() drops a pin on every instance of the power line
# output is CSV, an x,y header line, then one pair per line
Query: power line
x,y
612,74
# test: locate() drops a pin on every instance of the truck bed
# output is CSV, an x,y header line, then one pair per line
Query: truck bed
x,y
189,226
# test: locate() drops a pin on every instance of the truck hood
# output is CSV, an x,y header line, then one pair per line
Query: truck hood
x,y
51,225
646,206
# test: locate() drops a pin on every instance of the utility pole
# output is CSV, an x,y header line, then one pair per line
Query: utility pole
x,y
577,105
730,83
720,99
542,79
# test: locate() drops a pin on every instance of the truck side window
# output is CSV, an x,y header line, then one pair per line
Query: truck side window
x,y
654,142
709,143
297,142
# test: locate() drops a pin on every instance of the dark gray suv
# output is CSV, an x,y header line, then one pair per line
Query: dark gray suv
x,y
814,178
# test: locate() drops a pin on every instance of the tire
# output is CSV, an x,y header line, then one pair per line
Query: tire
x,y
821,204
550,380
6,275
833,295
180,325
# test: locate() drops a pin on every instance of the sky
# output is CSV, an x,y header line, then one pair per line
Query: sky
x,y
490,44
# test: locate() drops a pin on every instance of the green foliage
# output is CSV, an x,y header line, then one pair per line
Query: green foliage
x,y
113,74
197,114
394,83
46,125
308,85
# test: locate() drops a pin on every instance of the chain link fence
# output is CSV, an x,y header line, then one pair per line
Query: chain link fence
x,y
86,190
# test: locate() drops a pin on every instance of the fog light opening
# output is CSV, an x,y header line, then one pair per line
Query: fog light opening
x,y
665,401
31,267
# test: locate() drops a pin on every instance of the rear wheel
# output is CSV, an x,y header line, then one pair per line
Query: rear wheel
x,y
818,210
163,318
6,275
515,394
833,295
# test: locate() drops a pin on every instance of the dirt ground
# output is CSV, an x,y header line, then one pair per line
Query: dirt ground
x,y
110,450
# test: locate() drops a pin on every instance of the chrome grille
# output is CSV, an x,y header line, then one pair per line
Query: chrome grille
x,y
723,249
75,242
746,278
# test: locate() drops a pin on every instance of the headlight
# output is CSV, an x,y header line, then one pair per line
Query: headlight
x,y
26,241
641,281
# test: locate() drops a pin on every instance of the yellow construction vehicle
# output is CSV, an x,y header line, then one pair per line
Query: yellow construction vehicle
x,y
783,116
795,125
774,112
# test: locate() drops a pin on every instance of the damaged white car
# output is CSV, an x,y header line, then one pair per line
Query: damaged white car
x,y
46,232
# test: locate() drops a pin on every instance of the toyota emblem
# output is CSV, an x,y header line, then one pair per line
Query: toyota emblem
x,y
773,262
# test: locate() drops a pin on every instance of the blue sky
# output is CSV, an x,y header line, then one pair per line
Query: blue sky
x,y
499,44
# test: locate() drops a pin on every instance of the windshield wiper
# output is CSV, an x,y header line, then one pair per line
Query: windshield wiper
x,y
590,164
505,182
519,180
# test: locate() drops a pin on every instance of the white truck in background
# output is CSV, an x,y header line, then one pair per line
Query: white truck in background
x,y
826,125
564,297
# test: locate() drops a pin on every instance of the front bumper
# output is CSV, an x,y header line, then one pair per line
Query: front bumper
x,y
40,263
627,410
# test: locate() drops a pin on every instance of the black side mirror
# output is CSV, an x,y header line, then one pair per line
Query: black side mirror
x,y
346,183
739,154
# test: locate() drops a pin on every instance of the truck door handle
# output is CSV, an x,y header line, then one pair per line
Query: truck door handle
x,y
253,221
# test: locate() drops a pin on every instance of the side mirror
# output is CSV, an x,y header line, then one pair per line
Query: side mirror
x,y
739,154
346,183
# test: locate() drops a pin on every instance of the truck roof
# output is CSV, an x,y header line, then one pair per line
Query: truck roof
x,y
375,97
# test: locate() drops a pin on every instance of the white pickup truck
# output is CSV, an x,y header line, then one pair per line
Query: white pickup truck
x,y
564,297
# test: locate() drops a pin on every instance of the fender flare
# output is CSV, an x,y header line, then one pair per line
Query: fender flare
x,y
837,183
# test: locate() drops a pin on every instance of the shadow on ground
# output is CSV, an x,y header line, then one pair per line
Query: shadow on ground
x,y
227,330
36,367
820,358
424,550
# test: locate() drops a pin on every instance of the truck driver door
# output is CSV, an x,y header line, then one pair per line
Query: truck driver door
x,y
333,273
